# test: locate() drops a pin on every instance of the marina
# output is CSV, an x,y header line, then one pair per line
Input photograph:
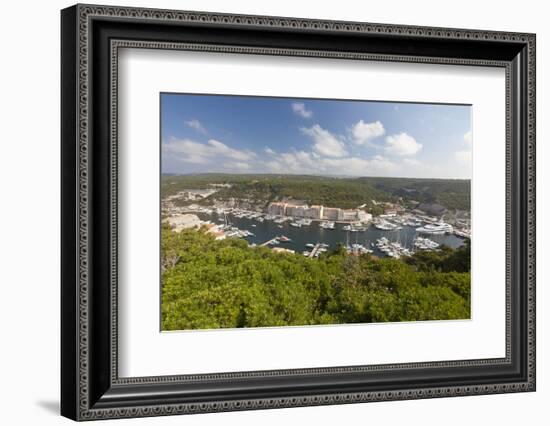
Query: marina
x,y
385,237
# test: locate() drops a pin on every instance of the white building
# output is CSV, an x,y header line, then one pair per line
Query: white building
x,y
348,215
363,216
297,211
183,221
331,213
318,212
277,209
315,212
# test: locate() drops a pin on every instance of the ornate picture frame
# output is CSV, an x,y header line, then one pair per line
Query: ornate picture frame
x,y
91,38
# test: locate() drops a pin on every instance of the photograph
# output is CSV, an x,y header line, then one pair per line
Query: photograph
x,y
278,211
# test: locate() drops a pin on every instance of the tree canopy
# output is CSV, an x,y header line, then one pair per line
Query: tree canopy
x,y
227,284
327,191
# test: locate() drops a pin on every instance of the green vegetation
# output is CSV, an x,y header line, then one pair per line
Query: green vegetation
x,y
227,284
328,191
454,194
263,189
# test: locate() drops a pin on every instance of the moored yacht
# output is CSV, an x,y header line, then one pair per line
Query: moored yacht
x,y
424,244
384,225
439,228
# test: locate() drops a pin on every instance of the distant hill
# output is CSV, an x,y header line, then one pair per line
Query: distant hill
x,y
328,191
453,194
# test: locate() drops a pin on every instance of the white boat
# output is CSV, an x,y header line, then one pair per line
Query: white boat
x,y
425,244
382,241
384,225
439,228
464,233
392,249
296,224
360,249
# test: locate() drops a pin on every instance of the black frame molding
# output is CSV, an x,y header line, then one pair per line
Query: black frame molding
x,y
91,37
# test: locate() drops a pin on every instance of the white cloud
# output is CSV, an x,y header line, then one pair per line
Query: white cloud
x,y
355,166
196,124
464,158
326,155
302,162
237,165
274,166
468,138
402,144
189,151
300,109
363,132
411,162
294,162
324,142
220,148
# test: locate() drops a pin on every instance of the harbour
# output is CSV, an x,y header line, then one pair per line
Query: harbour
x,y
386,237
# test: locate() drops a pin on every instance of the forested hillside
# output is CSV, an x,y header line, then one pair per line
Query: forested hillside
x,y
328,191
227,284
450,193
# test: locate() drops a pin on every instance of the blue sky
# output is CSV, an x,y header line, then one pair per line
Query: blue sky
x,y
241,134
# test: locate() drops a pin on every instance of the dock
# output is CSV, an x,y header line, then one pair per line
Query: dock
x,y
314,250
268,242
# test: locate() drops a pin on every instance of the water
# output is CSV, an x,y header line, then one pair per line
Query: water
x,y
267,230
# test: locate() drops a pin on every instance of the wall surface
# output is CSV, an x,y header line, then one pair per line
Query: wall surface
x,y
29,216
